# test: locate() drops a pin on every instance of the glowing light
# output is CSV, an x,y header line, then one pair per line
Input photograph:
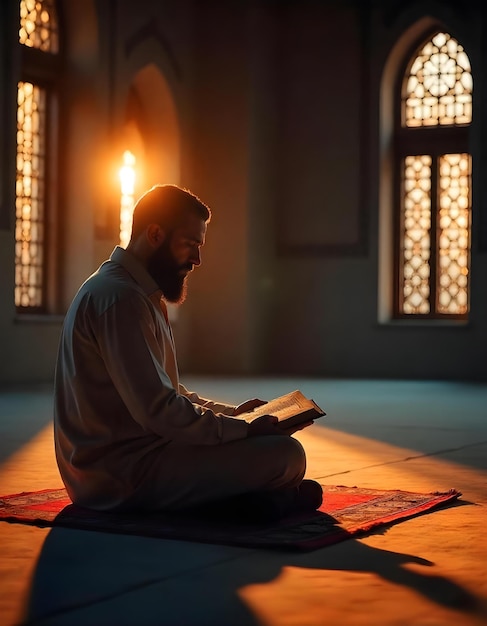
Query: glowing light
x,y
127,198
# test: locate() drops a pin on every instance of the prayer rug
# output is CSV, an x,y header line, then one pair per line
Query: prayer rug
x,y
346,512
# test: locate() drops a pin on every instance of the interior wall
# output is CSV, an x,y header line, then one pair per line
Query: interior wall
x,y
217,308
271,113
327,318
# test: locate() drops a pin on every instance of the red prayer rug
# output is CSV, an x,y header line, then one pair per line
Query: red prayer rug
x,y
346,512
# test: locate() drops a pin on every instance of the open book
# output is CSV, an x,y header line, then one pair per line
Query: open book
x,y
291,409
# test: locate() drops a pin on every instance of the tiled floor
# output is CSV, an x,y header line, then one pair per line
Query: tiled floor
x,y
428,571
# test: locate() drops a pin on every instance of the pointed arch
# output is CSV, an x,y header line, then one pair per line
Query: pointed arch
x,y
159,123
151,132
151,129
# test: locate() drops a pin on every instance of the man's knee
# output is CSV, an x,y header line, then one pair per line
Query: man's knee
x,y
290,459
297,455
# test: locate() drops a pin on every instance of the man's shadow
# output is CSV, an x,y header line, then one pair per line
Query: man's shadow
x,y
87,577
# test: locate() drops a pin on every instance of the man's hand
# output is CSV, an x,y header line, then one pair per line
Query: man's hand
x,y
265,425
294,429
269,425
248,405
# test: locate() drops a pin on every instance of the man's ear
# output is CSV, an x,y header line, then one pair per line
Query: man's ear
x,y
155,235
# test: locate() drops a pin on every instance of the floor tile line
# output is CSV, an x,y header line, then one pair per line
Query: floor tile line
x,y
404,459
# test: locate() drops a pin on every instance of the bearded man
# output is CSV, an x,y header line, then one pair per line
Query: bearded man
x,y
128,435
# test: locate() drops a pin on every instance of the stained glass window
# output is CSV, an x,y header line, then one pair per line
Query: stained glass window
x,y
434,229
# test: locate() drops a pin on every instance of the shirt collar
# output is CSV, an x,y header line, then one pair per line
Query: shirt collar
x,y
135,268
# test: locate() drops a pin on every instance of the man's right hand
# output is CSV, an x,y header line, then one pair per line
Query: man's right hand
x,y
269,425
265,425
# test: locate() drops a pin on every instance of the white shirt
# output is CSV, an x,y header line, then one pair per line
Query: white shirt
x,y
117,391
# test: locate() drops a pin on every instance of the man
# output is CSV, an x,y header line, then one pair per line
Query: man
x,y
128,434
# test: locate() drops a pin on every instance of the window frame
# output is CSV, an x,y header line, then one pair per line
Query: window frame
x,y
434,141
44,69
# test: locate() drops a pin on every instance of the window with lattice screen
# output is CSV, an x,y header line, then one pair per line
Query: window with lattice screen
x,y
434,169
38,33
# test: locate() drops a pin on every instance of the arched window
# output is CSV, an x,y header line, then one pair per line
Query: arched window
x,y
433,112
36,148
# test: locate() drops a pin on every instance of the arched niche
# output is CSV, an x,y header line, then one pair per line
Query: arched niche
x,y
151,128
150,131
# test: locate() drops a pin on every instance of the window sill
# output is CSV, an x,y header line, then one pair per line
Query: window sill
x,y
426,323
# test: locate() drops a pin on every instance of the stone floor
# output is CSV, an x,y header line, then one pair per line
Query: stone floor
x,y
430,570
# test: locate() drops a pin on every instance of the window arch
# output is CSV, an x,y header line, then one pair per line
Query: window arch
x,y
36,150
433,111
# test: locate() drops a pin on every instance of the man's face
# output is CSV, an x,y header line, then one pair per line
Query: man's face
x,y
170,264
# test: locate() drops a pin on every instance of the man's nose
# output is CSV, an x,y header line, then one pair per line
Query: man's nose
x,y
196,257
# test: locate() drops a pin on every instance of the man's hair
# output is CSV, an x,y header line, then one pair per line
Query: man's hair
x,y
168,206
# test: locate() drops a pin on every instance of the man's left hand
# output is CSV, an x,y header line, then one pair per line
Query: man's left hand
x,y
248,405
294,429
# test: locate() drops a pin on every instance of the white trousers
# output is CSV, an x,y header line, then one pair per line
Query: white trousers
x,y
185,476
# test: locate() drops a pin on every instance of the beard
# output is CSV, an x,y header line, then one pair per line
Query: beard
x,y
167,273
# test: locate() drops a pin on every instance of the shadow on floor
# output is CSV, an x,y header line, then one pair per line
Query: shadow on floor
x,y
86,577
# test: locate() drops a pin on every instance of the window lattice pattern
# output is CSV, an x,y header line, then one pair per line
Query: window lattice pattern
x,y
29,224
454,233
439,87
416,237
38,25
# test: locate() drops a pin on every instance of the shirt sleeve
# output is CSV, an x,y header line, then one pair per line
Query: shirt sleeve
x,y
216,407
132,348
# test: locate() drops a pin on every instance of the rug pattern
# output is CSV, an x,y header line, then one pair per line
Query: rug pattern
x,y
346,512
